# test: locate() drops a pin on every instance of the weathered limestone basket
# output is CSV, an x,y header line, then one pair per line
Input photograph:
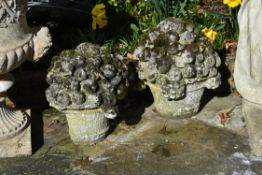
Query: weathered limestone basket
x,y
177,62
85,84
177,108
87,126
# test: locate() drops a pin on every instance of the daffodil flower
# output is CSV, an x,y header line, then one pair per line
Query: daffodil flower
x,y
232,3
99,16
209,33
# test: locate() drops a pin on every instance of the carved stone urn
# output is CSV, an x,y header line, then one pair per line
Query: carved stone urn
x,y
177,63
85,84
18,43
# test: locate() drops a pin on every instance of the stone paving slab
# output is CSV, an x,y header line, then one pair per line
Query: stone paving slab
x,y
151,145
224,113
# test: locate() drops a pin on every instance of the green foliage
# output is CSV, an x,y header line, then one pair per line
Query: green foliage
x,y
129,19
224,23
146,14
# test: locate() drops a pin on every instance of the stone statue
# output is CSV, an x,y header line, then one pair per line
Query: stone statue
x,y
248,69
18,43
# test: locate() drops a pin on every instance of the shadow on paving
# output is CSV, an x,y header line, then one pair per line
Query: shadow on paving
x,y
153,147
132,108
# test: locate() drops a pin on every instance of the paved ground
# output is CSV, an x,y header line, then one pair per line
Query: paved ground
x,y
214,142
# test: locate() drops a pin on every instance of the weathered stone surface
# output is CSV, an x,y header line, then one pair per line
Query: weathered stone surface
x,y
18,42
248,72
175,56
179,60
88,77
87,126
177,109
146,144
19,145
224,113
248,64
253,117
86,83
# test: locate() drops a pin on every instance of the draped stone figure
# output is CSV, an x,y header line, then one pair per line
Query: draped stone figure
x,y
248,69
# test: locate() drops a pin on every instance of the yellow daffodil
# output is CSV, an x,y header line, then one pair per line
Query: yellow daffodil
x,y
99,16
209,33
232,3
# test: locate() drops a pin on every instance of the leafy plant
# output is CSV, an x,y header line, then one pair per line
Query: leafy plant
x,y
221,19
129,19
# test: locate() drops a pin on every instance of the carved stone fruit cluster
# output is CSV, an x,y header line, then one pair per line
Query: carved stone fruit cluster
x,y
88,77
176,57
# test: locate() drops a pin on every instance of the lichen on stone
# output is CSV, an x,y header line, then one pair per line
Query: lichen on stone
x,y
177,58
89,77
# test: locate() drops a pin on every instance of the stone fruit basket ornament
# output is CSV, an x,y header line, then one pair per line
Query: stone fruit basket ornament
x,y
177,62
85,84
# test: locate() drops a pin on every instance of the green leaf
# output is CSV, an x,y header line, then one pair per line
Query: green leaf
x,y
134,28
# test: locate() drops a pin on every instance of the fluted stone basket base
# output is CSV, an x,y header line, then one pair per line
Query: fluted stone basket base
x,y
19,145
177,109
87,126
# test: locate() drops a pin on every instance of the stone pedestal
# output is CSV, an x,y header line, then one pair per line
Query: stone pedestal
x,y
252,113
18,145
18,42
87,126
248,72
177,109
